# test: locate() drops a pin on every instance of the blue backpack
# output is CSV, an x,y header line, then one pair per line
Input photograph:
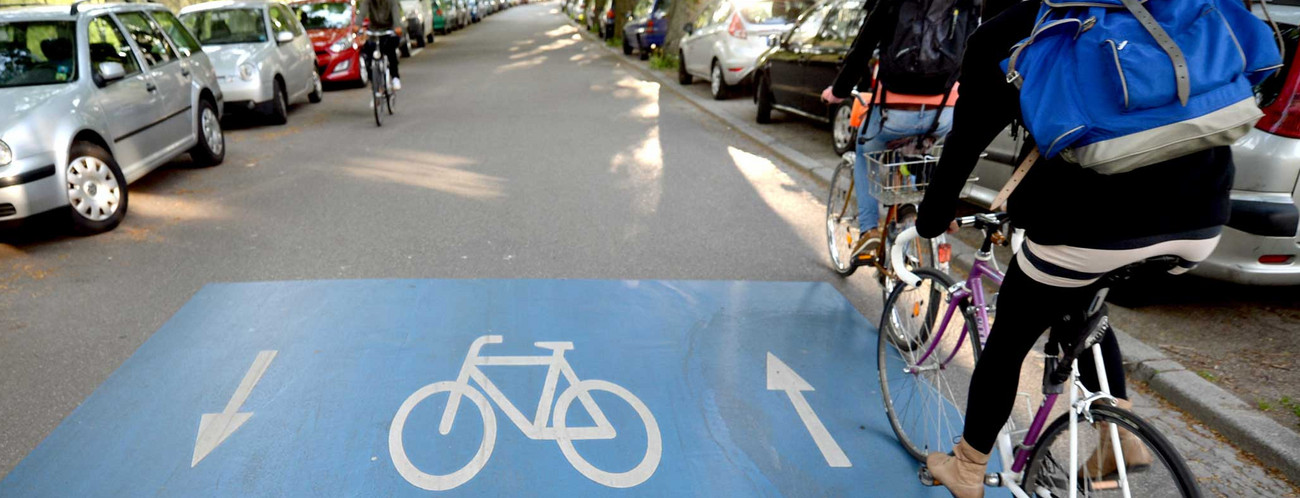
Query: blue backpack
x,y
1113,85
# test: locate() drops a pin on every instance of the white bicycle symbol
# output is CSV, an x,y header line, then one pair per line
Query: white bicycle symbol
x,y
535,429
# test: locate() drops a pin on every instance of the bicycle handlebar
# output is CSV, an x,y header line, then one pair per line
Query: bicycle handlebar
x,y
896,262
381,33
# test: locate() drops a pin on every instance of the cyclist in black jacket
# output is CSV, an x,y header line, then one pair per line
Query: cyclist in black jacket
x,y
384,15
1079,225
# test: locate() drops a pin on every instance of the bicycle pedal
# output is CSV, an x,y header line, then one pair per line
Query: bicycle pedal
x,y
865,260
926,478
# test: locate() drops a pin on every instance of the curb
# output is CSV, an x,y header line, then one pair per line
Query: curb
x,y
1243,426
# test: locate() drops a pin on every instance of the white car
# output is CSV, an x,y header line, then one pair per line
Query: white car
x,y
263,56
722,45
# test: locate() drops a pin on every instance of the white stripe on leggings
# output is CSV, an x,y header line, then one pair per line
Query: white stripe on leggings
x,y
1101,261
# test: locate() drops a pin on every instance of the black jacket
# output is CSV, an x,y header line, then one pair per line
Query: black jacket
x,y
881,18
1059,202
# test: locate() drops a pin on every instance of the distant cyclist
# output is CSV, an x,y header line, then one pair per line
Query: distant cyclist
x,y
1079,223
384,15
917,84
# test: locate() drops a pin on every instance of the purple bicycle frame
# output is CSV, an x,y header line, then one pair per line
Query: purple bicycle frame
x,y
974,290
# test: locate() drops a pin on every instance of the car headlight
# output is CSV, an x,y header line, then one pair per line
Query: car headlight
x,y
6,155
341,45
246,71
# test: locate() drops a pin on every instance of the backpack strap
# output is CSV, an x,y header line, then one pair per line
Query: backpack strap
x,y
1143,16
1015,180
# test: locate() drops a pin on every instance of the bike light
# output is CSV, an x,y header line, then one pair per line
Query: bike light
x,y
246,71
945,253
6,154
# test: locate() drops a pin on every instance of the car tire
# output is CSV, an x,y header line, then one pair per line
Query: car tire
x,y
763,99
210,146
627,47
717,82
85,156
843,134
317,90
278,108
642,52
683,77
420,39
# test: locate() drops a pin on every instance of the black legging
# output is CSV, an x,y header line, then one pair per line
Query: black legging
x,y
387,46
1026,308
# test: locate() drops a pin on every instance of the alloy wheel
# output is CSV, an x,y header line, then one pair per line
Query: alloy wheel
x,y
211,127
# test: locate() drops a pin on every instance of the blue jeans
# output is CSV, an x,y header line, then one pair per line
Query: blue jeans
x,y
900,124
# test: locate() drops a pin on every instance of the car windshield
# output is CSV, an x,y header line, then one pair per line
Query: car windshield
x,y
779,12
37,53
224,26
325,15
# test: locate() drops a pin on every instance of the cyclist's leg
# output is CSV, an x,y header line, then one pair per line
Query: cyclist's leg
x,y
389,47
367,51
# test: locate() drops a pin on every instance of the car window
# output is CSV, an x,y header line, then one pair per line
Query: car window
x,y
225,26
152,45
108,44
772,12
721,13
843,24
280,22
184,40
642,8
810,25
702,19
37,53
325,15
295,25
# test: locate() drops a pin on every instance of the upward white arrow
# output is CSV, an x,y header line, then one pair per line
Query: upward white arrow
x,y
216,427
781,378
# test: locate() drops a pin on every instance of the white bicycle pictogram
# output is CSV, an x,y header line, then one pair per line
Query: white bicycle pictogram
x,y
534,429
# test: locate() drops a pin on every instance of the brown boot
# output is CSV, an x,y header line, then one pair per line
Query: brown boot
x,y
1102,462
962,472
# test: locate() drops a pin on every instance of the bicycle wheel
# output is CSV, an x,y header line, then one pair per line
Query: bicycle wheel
x,y
432,482
389,95
654,442
376,91
841,219
1167,474
925,392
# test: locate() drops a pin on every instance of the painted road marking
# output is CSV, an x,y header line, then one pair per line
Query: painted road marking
x,y
780,377
216,427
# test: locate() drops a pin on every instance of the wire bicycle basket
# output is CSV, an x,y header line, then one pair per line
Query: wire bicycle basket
x,y
899,176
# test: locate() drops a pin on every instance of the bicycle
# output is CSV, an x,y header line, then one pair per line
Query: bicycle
x,y
380,85
538,428
1047,460
897,179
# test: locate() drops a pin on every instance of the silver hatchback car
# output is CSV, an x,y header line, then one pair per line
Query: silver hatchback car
x,y
93,97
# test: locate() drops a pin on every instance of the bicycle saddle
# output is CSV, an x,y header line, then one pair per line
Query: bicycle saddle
x,y
1151,266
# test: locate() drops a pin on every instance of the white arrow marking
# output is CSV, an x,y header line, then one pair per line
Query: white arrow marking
x,y
216,427
781,378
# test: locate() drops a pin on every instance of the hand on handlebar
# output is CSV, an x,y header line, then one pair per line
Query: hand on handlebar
x,y
397,31
829,96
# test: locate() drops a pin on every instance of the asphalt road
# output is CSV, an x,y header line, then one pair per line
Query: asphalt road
x,y
518,150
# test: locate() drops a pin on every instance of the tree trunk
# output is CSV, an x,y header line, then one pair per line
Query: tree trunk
x,y
680,13
621,9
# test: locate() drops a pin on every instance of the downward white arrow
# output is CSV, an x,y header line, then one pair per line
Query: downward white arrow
x,y
216,427
781,378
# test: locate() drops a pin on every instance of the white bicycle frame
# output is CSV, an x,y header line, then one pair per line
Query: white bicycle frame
x,y
538,428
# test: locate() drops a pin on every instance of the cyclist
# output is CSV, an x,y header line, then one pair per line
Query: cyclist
x,y
1079,226
896,113
383,15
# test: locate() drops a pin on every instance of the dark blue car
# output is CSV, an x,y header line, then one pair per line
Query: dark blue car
x,y
646,28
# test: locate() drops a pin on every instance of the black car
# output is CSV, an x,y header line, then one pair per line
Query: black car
x,y
792,74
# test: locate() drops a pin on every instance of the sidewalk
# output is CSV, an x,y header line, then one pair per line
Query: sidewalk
x,y
1220,417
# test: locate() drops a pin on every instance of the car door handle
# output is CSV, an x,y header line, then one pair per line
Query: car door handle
x,y
185,72
151,87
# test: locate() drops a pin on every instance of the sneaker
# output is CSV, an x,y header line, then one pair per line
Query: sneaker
x,y
867,243
397,84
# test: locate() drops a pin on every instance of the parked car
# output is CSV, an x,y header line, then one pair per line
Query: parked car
x,y
336,39
92,98
261,52
1260,244
475,15
462,10
419,23
646,27
601,18
792,74
440,23
723,44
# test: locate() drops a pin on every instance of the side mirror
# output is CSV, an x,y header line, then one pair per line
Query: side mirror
x,y
774,41
111,71
689,28
284,37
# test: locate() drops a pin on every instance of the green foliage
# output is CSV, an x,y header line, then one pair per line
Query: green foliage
x,y
1264,405
662,61
1207,375
615,42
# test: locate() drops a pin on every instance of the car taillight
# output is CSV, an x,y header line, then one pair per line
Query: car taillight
x,y
439,11
650,25
1283,117
737,29
610,14
1275,259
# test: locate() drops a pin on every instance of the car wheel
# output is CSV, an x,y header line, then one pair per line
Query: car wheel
x,y
717,85
627,47
278,107
96,190
763,98
683,77
642,52
405,48
420,39
842,130
211,147
317,92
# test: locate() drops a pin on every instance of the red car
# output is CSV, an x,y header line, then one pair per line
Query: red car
x,y
336,37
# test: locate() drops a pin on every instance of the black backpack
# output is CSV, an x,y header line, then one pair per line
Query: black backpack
x,y
924,55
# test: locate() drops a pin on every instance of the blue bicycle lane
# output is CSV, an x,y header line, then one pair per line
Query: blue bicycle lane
x,y
711,388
